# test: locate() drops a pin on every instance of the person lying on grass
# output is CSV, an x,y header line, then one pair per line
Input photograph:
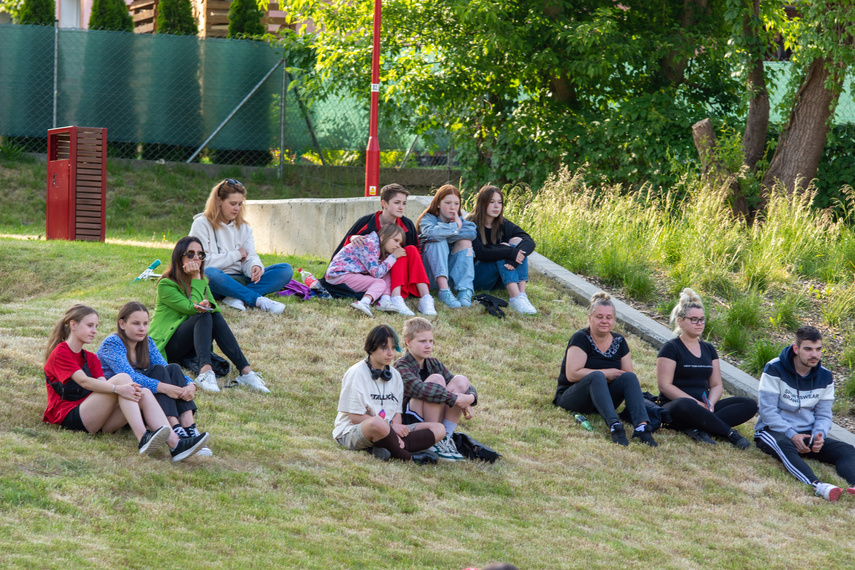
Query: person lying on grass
x,y
187,320
796,395
407,277
234,270
80,398
447,240
501,250
596,374
366,267
131,351
431,392
369,407
689,378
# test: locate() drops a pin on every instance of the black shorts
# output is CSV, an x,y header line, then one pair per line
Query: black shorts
x,y
409,417
73,422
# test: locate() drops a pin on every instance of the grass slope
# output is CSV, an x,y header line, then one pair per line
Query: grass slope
x,y
280,492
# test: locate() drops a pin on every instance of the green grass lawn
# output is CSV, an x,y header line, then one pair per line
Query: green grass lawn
x,y
279,492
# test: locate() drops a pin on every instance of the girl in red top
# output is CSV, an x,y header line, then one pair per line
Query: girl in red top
x,y
80,398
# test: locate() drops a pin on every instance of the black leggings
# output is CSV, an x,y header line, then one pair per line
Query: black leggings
x,y
170,374
729,412
195,336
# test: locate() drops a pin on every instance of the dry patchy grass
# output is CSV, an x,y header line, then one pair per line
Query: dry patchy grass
x,y
280,492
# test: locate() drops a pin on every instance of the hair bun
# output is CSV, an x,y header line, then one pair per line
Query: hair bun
x,y
689,296
600,296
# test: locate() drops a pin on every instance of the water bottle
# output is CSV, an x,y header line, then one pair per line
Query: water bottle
x,y
310,280
583,421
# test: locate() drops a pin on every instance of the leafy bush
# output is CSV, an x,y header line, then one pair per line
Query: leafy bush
x,y
176,17
37,12
245,19
111,15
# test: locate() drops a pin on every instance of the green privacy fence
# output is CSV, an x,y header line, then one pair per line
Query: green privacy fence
x,y
161,97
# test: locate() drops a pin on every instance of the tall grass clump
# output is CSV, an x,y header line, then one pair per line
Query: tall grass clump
x,y
786,311
762,352
790,238
701,241
609,233
839,304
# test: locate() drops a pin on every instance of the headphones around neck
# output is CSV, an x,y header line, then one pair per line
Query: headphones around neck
x,y
384,374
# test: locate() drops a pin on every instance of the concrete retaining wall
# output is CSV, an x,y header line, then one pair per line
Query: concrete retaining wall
x,y
311,226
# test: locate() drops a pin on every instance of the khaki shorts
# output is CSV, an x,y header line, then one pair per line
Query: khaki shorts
x,y
354,439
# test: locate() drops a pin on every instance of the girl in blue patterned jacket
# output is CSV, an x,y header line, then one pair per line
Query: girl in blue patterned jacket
x,y
131,351
365,267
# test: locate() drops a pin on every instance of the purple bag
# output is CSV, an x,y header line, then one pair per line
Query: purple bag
x,y
296,288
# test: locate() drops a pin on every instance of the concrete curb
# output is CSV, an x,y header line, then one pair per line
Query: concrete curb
x,y
735,380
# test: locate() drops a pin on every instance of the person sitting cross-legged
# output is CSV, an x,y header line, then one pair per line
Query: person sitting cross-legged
x,y
431,392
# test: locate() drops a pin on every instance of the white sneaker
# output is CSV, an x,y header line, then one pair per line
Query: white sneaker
x,y
426,306
521,305
446,450
401,307
207,381
234,303
386,304
254,381
363,306
828,491
270,306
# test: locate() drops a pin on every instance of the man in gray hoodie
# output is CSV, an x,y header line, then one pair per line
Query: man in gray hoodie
x,y
795,398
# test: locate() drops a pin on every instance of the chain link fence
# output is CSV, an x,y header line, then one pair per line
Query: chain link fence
x,y
180,98
177,98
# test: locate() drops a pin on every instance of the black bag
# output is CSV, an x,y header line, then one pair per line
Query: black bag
x,y
492,304
71,391
474,449
657,414
220,365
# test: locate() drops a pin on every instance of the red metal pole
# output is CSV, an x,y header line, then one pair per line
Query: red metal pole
x,y
372,153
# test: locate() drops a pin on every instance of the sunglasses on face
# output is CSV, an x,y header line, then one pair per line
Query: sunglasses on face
x,y
200,255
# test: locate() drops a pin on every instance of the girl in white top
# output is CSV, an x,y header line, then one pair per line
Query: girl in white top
x,y
233,269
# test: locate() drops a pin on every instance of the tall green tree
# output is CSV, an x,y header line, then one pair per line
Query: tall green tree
x,y
524,88
37,12
111,15
176,17
245,19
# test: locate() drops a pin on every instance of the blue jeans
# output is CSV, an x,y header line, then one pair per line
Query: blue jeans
x,y
488,274
594,392
223,284
458,267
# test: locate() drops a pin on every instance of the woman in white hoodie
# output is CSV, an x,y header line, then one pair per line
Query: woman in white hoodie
x,y
232,267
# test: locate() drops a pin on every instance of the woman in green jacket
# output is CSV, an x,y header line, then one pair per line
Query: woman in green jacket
x,y
187,320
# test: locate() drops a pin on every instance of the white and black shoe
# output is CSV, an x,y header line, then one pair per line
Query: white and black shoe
x,y
151,441
188,447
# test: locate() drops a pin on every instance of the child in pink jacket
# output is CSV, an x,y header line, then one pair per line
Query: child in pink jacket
x,y
366,267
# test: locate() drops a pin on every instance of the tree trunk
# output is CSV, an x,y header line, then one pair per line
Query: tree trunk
x,y
803,139
673,66
714,171
757,122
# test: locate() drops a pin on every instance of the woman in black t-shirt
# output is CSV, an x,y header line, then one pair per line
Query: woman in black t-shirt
x,y
596,374
689,380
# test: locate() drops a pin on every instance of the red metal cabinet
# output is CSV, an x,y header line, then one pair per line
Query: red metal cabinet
x,y
76,183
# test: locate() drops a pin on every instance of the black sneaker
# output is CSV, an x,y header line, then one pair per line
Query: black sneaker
x,y
380,453
645,436
736,439
619,436
424,457
152,440
699,436
188,446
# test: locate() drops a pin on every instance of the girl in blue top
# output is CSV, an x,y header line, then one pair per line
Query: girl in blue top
x,y
131,351
448,253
